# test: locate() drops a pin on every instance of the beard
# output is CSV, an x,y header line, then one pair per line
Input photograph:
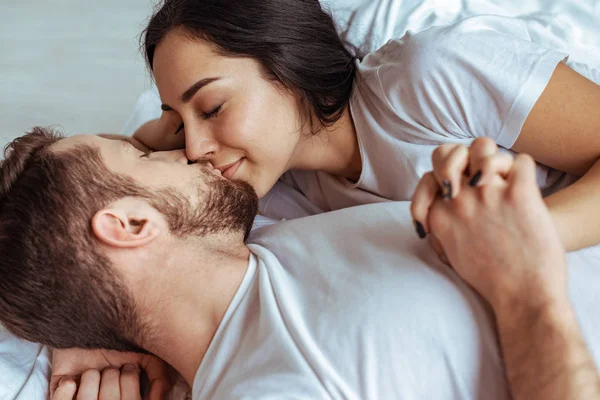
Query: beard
x,y
224,206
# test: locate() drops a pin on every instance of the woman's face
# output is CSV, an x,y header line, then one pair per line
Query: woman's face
x,y
246,126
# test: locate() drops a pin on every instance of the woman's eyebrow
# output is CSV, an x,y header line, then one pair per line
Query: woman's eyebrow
x,y
191,92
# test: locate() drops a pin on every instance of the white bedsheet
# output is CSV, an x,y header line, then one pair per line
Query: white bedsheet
x,y
568,25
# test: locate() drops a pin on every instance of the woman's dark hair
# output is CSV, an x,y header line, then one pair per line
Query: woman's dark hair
x,y
294,41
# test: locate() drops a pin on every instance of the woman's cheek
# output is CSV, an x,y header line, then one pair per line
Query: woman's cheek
x,y
238,131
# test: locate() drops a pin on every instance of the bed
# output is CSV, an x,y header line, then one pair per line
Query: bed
x,y
567,25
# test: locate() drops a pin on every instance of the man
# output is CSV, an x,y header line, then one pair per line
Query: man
x,y
105,246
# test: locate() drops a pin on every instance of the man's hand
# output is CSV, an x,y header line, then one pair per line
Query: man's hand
x,y
498,234
499,237
111,384
453,164
72,363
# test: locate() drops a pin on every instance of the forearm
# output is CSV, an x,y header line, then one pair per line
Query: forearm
x,y
147,132
576,211
158,134
545,354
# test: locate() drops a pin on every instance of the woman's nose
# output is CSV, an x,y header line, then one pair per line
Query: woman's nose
x,y
169,156
200,147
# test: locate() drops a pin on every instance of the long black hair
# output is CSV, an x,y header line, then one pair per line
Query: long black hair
x,y
295,42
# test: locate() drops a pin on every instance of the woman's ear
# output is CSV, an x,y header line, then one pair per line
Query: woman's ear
x,y
117,227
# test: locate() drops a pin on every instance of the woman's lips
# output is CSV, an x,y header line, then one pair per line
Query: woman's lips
x,y
230,171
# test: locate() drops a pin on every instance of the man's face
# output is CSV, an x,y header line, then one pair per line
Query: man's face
x,y
194,198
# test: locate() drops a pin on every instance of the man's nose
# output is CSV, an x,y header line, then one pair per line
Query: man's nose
x,y
199,146
169,156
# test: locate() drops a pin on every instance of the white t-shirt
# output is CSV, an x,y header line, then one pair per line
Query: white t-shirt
x,y
479,77
352,305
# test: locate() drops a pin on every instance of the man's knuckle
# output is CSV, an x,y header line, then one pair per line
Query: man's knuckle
x,y
488,193
462,206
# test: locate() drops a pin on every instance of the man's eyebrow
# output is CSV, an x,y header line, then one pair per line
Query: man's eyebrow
x,y
191,92
126,143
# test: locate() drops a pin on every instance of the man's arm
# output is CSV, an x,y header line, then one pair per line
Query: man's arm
x,y
500,238
544,352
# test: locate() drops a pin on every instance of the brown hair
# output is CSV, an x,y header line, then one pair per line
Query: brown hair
x,y
57,287
295,42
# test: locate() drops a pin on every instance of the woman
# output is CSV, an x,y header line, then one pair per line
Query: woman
x,y
266,91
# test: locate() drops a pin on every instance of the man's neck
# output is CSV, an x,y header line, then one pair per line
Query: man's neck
x,y
190,312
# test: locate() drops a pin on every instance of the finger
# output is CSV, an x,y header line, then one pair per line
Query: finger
x,y
424,196
158,377
523,171
130,383
66,389
54,380
450,162
480,149
89,385
159,389
110,388
437,248
498,164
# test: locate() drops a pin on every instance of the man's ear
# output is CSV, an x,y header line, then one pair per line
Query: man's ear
x,y
120,227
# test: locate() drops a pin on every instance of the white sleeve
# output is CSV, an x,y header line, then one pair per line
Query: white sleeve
x,y
286,201
479,77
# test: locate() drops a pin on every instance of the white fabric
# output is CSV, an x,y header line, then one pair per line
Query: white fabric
x,y
352,305
567,25
478,77
24,369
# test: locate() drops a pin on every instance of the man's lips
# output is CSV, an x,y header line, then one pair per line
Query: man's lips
x,y
229,170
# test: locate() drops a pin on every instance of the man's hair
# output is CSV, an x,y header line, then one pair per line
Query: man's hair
x,y
56,285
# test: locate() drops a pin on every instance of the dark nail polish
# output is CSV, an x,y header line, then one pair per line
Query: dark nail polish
x,y
446,190
420,230
475,179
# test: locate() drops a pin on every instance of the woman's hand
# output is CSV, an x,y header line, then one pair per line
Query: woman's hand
x,y
72,363
453,167
501,239
110,384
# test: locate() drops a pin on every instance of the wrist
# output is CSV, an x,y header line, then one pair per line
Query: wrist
x,y
552,306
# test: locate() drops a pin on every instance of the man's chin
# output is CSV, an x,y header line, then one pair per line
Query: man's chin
x,y
249,210
238,204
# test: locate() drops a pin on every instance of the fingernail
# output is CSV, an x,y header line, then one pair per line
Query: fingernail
x,y
129,367
65,380
420,230
475,179
446,190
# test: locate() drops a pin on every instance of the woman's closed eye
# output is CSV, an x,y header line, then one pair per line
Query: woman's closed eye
x,y
207,115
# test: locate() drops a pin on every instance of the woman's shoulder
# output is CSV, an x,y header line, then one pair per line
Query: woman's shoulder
x,y
422,50
461,80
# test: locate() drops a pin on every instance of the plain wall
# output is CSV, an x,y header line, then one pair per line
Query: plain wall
x,y
71,63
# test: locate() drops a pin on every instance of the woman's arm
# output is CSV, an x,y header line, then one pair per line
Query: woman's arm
x,y
159,134
563,132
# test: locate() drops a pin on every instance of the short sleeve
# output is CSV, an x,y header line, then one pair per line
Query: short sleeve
x,y
479,77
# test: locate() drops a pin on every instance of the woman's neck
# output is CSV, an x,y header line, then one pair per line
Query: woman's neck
x,y
334,150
